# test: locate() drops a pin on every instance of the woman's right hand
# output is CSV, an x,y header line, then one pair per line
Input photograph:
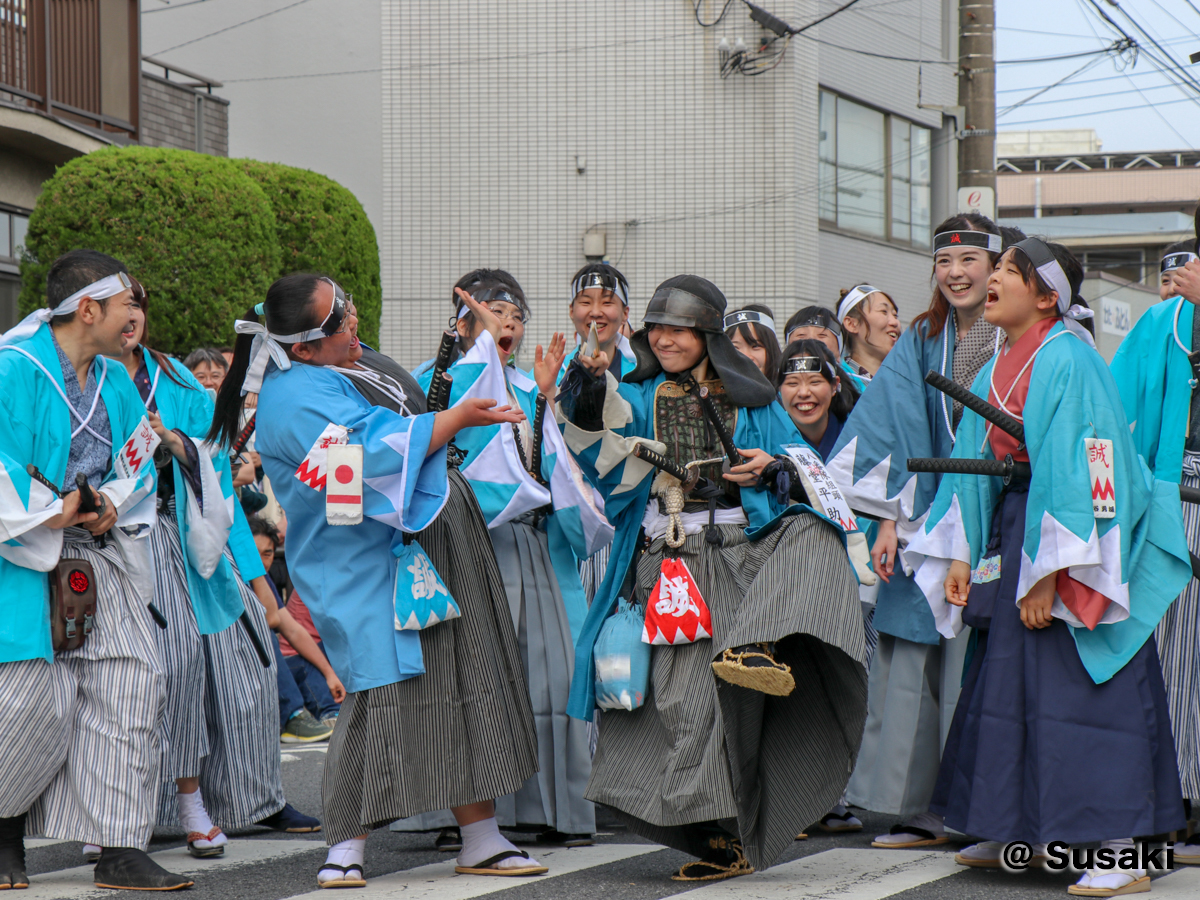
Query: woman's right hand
x,y
473,412
958,583
484,316
883,554
596,365
70,514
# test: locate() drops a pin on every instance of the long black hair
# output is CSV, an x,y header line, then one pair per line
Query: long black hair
x,y
758,335
843,401
289,310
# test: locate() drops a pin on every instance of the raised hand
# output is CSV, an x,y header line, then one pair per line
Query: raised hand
x,y
597,365
483,315
547,365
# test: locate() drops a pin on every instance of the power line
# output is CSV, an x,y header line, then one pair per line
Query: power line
x,y
1101,112
231,27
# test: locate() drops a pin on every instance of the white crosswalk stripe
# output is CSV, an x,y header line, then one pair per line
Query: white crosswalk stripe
x,y
76,883
439,882
841,873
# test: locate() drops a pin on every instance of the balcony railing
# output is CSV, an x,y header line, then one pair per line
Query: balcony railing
x,y
74,59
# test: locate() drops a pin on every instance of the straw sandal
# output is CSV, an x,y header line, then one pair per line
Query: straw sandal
x,y
488,866
713,870
346,881
753,666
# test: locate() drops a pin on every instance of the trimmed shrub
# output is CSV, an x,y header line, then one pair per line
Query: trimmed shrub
x,y
198,232
321,227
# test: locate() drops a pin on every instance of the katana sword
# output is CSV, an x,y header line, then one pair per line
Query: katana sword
x,y
689,477
87,504
243,437
244,618
713,415
1006,468
977,405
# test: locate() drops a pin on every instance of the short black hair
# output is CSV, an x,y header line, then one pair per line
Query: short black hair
x,y
75,270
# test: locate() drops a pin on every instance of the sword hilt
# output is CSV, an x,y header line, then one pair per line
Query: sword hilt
x,y
977,405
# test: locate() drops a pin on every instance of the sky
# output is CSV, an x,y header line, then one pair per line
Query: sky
x,y
1162,117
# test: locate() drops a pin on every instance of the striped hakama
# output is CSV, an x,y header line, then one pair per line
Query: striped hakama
x,y
461,733
1178,638
222,715
701,749
105,788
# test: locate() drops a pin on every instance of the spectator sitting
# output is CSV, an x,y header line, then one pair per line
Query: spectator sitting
x,y
305,697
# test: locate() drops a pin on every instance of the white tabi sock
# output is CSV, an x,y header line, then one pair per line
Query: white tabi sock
x,y
195,820
347,853
482,841
926,821
1111,879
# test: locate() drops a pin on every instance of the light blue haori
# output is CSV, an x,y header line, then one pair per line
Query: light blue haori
x,y
897,417
216,599
38,430
347,573
1137,559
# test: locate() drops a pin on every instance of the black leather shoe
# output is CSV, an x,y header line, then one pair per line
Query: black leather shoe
x,y
126,869
12,853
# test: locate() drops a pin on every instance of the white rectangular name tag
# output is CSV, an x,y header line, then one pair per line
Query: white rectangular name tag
x,y
140,447
1100,471
343,484
823,492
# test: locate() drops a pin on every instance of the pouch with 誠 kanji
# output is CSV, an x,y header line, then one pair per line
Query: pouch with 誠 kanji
x,y
422,598
675,611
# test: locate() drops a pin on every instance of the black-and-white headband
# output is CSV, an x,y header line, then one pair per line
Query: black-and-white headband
x,y
856,296
1173,261
747,317
604,281
992,243
799,365
1052,272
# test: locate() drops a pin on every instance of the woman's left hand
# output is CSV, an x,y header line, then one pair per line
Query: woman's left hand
x,y
484,316
547,365
749,471
170,439
1036,605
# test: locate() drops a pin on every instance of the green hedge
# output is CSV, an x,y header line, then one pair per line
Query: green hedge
x,y
194,229
321,227
206,235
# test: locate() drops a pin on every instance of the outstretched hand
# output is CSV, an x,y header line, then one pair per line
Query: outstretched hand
x,y
547,364
485,317
479,412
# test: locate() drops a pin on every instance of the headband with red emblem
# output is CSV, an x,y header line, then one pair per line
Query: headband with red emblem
x,y
992,243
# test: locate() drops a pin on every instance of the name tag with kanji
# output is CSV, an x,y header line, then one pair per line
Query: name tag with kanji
x,y
343,486
822,490
137,451
313,467
1100,472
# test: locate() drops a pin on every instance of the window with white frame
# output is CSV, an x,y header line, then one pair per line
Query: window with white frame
x,y
873,172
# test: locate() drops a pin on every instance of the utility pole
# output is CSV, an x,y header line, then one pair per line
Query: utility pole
x,y
977,96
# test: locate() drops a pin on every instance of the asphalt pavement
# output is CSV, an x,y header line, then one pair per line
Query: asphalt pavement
x,y
264,865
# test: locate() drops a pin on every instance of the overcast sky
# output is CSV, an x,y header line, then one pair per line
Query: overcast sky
x,y
1162,117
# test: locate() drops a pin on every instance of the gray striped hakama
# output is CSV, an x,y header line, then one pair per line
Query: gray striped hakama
x,y
181,654
913,692
553,797
222,704
106,789
1178,637
701,749
462,732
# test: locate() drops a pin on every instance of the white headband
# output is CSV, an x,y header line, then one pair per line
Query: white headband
x,y
1055,276
604,281
855,297
264,349
106,287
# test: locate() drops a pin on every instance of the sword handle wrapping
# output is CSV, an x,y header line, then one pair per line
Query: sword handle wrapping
x,y
977,405
87,504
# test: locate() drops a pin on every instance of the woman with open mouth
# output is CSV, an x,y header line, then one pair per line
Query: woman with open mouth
x,y
540,522
757,669
915,672
871,325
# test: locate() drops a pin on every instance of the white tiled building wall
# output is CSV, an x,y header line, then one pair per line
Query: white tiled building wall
x,y
491,106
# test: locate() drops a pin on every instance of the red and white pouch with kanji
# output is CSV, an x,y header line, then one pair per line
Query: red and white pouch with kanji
x,y
676,612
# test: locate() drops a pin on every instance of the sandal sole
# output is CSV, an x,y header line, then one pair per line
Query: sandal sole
x,y
1141,886
765,680
911,844
122,887
350,883
994,863
528,870
716,876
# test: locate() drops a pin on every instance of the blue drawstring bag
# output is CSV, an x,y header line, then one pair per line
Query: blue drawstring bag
x,y
622,659
422,598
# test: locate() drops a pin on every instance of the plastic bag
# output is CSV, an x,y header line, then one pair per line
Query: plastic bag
x,y
622,660
676,613
422,598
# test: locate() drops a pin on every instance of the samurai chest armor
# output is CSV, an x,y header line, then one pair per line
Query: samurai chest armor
x,y
679,423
